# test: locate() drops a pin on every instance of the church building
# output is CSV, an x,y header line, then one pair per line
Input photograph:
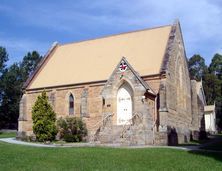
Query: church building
x,y
131,88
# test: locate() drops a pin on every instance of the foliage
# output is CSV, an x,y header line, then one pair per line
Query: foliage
x,y
12,79
215,69
43,118
216,66
212,87
29,63
212,80
197,67
11,86
72,129
3,59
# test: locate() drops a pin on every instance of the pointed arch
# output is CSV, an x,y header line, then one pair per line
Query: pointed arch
x,y
126,83
70,103
124,104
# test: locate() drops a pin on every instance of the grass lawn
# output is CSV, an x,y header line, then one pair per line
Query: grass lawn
x,y
7,135
18,157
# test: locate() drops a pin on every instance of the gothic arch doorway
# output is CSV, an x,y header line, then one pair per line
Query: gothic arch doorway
x,y
124,104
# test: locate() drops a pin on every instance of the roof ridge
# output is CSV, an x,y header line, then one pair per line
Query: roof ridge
x,y
117,34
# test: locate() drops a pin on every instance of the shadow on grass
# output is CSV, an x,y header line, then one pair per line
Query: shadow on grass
x,y
195,142
213,147
214,155
214,144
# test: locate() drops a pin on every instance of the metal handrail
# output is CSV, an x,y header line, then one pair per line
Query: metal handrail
x,y
136,114
126,124
100,124
101,121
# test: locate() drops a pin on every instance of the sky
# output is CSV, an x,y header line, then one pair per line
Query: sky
x,y
27,25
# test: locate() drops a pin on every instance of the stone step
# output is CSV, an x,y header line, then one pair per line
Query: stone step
x,y
118,134
105,138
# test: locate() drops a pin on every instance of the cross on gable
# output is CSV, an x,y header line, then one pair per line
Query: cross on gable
x,y
123,66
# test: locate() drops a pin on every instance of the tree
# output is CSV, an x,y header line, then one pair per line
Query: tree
x,y
215,68
197,67
12,80
11,87
29,63
3,59
212,87
216,65
43,118
212,80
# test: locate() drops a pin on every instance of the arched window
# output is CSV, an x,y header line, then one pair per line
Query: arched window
x,y
71,104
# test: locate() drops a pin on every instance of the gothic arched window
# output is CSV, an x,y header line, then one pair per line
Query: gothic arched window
x,y
71,104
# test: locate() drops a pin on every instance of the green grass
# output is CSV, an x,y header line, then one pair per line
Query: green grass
x,y
7,134
18,157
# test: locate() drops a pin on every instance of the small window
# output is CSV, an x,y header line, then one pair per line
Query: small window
x,y
71,104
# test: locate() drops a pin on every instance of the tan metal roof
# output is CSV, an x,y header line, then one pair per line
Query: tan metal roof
x,y
94,60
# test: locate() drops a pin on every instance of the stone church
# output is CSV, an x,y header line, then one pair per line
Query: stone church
x,y
131,88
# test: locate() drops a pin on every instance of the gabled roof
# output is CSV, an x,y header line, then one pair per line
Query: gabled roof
x,y
94,60
145,85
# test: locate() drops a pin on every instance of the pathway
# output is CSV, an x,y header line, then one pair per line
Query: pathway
x,y
186,148
14,141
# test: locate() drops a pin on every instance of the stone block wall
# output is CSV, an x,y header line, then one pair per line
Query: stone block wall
x,y
59,99
195,110
175,92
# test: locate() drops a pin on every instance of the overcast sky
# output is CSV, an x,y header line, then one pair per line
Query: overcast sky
x,y
27,25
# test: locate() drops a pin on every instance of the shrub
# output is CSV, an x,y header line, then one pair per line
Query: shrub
x,y
44,119
71,129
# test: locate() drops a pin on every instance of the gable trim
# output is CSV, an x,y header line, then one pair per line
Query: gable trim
x,y
170,44
168,49
139,78
145,85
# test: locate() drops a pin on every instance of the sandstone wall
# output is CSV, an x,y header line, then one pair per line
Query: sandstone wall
x,y
87,105
175,93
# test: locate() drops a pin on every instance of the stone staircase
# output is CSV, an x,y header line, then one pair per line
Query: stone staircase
x,y
132,133
98,128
